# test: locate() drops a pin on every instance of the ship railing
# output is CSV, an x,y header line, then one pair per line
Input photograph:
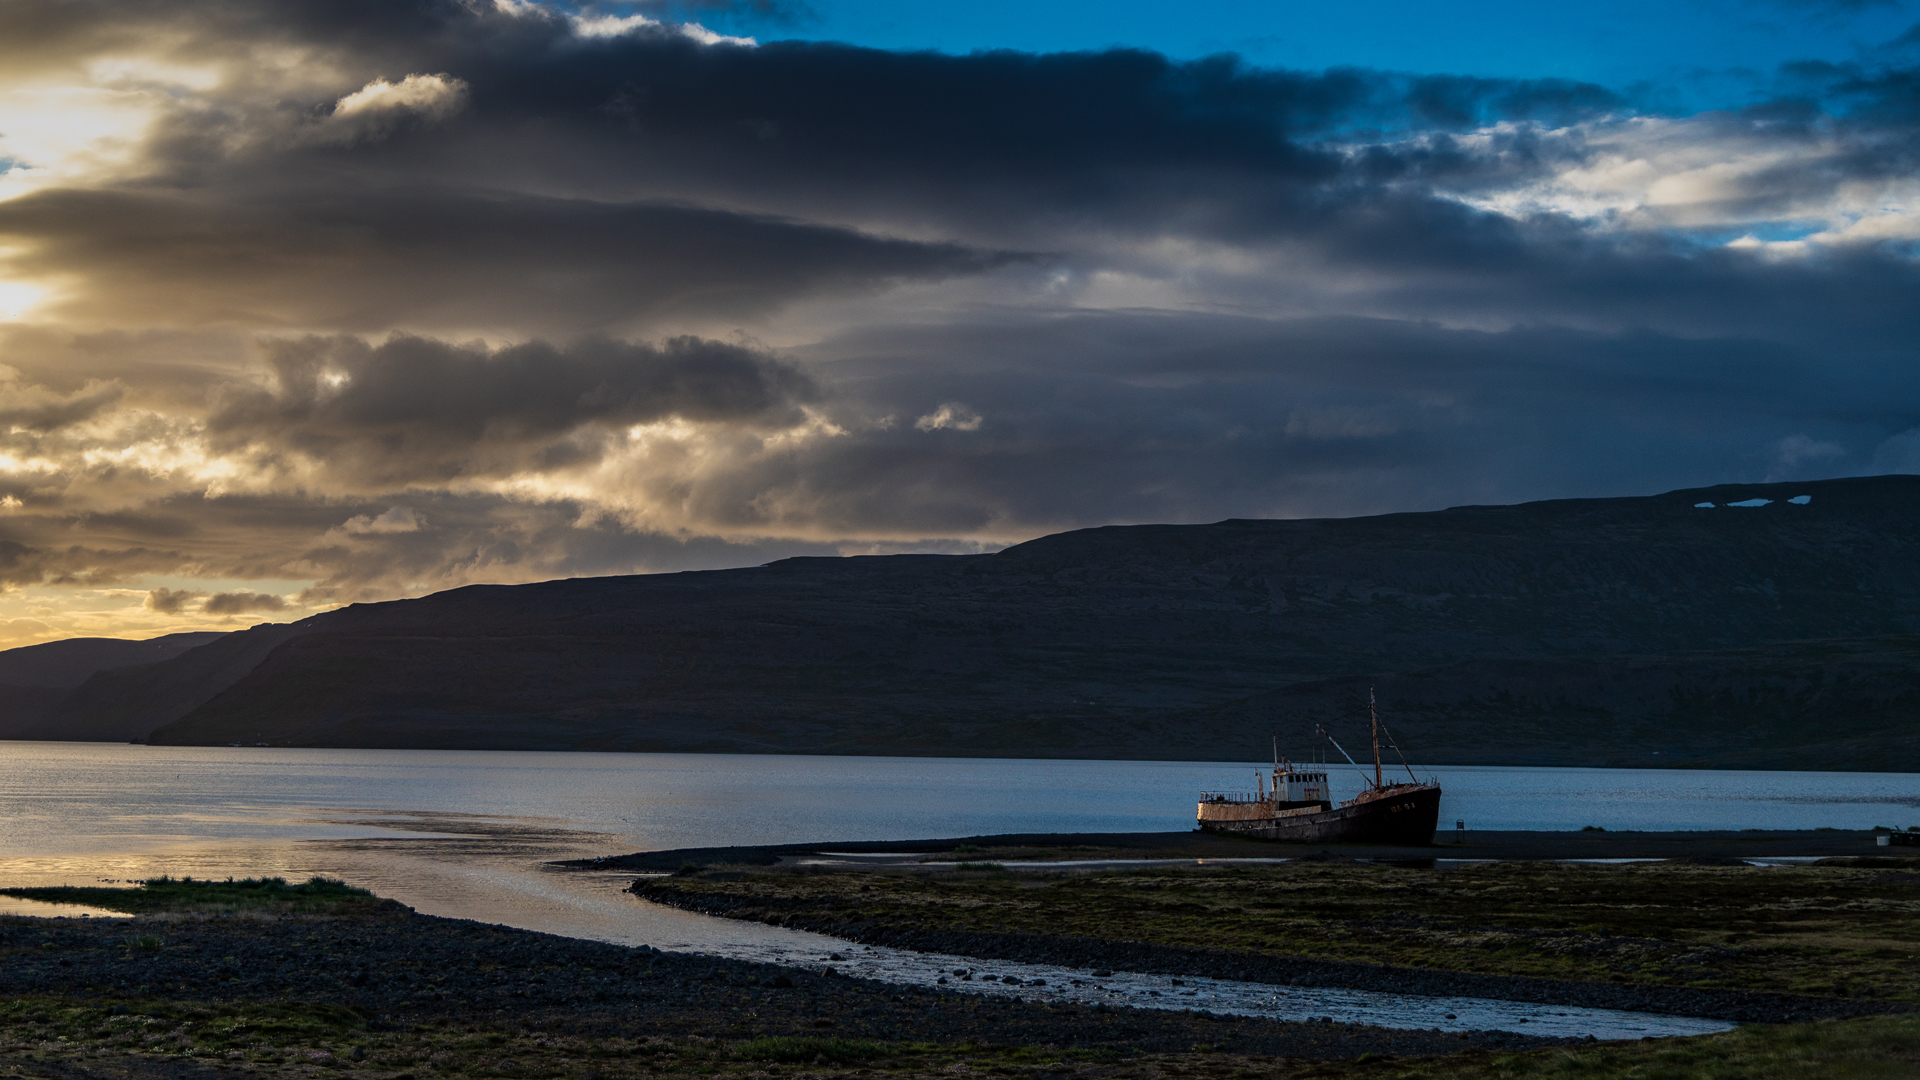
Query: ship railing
x,y
1231,797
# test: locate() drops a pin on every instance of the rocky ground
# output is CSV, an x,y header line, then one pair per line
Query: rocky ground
x,y
399,969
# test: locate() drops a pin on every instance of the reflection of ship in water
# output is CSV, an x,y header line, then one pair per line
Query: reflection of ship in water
x,y
1297,807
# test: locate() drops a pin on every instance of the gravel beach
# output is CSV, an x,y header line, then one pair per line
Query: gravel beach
x,y
398,968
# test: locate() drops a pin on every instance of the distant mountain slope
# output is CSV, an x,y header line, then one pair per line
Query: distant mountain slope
x,y
68,663
1830,704
1144,641
125,703
35,679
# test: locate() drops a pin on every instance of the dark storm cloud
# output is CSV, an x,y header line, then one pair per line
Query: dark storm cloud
x,y
987,145
1056,152
62,562
1888,93
420,407
453,224
772,13
240,603
1457,264
1124,140
171,601
1195,417
37,410
1457,101
371,260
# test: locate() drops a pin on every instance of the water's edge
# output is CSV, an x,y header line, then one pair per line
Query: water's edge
x,y
1172,960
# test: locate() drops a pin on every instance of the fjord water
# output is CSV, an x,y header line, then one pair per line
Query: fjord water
x,y
80,812
466,834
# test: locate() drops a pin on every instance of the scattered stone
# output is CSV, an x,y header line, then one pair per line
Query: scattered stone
x,y
536,982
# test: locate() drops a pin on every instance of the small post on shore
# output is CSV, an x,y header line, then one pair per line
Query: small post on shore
x,y
1460,831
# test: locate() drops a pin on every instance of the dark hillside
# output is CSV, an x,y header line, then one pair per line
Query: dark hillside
x,y
68,663
1641,614
1833,704
35,679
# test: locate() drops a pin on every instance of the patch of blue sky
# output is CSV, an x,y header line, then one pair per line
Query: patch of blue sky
x,y
1770,232
1691,54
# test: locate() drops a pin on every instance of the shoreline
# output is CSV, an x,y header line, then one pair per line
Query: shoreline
x,y
1504,845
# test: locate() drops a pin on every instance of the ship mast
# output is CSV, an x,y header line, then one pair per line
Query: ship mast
x,y
1374,711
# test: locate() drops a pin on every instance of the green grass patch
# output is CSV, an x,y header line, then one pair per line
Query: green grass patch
x,y
174,1028
318,895
810,1048
1838,931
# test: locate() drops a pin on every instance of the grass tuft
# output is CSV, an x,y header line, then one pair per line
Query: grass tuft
x,y
318,895
809,1048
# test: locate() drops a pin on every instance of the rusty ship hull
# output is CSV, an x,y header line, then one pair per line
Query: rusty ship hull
x,y
1399,814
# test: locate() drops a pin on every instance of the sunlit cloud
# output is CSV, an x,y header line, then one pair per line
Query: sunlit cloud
x,y
1802,187
378,108
397,519
605,26
952,415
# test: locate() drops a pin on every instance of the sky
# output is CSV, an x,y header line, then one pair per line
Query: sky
x,y
305,303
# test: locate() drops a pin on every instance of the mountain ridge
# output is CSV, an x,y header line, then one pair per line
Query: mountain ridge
x,y
1162,641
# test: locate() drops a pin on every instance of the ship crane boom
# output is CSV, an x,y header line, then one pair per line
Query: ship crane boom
x,y
1336,745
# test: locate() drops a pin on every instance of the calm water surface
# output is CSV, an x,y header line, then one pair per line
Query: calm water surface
x,y
465,833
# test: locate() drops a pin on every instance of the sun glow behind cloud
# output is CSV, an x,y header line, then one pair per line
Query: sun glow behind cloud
x,y
18,299
53,612
60,134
